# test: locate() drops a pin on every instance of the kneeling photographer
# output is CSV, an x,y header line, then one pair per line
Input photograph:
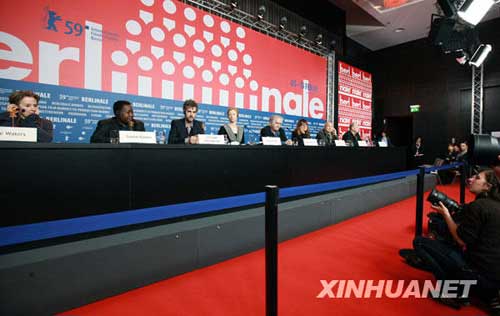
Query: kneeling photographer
x,y
473,251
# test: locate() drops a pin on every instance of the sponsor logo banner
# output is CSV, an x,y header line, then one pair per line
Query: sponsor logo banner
x,y
354,99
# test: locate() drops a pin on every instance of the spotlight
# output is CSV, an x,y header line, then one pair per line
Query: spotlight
x,y
451,36
333,43
480,55
234,5
303,31
473,11
261,12
319,39
283,22
461,57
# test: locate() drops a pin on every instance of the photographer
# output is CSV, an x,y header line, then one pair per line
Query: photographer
x,y
475,255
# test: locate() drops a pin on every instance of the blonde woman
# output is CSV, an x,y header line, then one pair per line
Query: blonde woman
x,y
234,133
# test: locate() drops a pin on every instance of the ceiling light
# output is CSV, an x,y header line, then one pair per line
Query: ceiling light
x,y
234,4
480,55
283,22
473,11
261,12
319,39
303,31
461,57
399,29
333,44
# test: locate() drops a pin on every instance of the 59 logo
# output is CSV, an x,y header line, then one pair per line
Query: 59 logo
x,y
54,21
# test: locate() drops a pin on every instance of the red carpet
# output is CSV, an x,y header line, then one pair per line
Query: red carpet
x,y
365,247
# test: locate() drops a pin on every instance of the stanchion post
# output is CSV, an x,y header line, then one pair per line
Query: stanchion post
x,y
419,213
463,178
272,197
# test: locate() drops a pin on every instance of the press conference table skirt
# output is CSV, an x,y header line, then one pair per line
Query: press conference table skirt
x,y
43,182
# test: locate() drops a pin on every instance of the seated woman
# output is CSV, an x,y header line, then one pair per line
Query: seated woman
x,y
300,132
451,155
327,134
475,251
23,111
234,133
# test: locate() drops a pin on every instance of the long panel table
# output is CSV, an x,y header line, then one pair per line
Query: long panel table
x,y
41,182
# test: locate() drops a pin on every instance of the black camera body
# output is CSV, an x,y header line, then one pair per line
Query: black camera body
x,y
437,226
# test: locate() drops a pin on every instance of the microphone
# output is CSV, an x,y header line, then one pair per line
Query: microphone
x,y
131,125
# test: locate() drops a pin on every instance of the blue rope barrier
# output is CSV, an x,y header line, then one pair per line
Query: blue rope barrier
x,y
445,167
51,229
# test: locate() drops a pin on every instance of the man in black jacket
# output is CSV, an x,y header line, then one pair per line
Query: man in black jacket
x,y
274,130
23,111
352,135
123,121
187,129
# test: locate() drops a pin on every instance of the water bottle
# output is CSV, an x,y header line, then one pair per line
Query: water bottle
x,y
161,137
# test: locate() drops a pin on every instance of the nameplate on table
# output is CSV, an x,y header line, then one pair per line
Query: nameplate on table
x,y
271,141
382,144
362,143
18,134
137,137
340,143
310,142
205,139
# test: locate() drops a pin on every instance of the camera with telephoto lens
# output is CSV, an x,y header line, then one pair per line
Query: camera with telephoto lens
x,y
437,225
485,150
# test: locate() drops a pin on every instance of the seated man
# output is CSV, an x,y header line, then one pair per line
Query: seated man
x,y
385,139
187,129
352,135
123,121
328,134
23,111
274,129
463,154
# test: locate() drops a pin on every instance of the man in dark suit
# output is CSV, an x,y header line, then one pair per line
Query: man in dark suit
x,y
187,129
385,139
274,129
352,135
123,121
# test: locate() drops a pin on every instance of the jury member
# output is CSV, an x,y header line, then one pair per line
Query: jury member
x,y
122,121
385,139
352,135
186,129
328,134
300,132
232,130
23,111
274,129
